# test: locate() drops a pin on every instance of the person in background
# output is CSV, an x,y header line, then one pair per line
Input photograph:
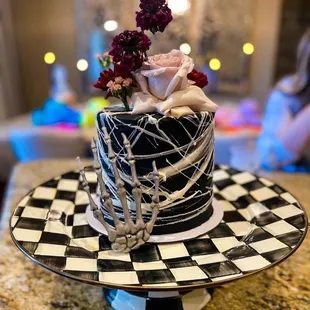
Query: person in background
x,y
285,139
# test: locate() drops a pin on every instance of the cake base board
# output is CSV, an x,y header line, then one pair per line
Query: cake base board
x,y
214,220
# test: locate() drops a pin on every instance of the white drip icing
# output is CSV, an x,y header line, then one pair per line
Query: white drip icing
x,y
196,154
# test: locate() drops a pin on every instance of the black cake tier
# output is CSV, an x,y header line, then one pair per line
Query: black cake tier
x,y
183,151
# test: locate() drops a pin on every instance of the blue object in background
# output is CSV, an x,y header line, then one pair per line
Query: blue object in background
x,y
54,112
97,45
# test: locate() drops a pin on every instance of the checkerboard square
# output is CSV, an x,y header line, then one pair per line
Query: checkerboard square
x,y
21,234
68,185
24,201
44,193
287,211
119,278
54,227
222,230
105,265
83,231
81,208
226,243
241,228
79,219
226,205
244,202
254,210
172,250
30,247
263,194
31,224
65,195
266,182
200,246
56,262
180,262
220,269
93,276
240,252
51,183
251,263
243,177
89,243
14,220
265,219
219,175
254,185
288,197
279,190
81,264
72,251
279,228
65,206
233,192
35,213
52,238
276,255
155,276
224,183
188,273
267,245
39,203
209,259
257,235
50,249
275,202
232,216
81,198
158,265
291,238
18,212
298,221
73,175
112,255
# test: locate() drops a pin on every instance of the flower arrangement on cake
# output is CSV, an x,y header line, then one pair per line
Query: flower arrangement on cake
x,y
154,159
164,83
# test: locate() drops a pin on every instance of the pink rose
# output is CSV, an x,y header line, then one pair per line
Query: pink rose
x,y
167,73
165,87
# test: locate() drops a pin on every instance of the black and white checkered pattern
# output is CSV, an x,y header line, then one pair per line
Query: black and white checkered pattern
x,y
262,224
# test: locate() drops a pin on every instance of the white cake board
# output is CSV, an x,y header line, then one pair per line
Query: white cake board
x,y
214,220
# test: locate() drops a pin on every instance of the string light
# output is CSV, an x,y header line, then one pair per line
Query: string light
x,y
110,25
185,48
82,65
49,58
215,64
178,6
248,48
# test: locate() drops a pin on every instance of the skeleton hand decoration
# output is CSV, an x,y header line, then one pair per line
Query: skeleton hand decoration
x,y
129,235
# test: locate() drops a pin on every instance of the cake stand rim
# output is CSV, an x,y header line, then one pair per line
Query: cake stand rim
x,y
150,288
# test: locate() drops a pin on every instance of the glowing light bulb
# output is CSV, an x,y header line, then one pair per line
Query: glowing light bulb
x,y
248,48
82,65
178,6
215,64
49,58
185,48
110,25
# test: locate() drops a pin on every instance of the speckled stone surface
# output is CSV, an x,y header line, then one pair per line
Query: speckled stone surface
x,y
23,285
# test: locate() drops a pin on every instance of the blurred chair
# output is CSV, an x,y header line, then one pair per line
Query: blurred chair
x,y
43,143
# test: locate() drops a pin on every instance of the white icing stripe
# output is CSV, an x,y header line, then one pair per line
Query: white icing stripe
x,y
196,154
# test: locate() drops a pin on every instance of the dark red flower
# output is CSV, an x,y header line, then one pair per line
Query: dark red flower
x,y
155,15
129,48
200,79
109,75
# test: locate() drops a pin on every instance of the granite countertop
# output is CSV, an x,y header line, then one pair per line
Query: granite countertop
x,y
23,285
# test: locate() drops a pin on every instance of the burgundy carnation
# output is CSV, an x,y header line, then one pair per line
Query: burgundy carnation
x,y
129,48
155,15
199,78
109,75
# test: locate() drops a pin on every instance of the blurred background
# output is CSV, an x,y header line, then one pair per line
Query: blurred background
x,y
49,49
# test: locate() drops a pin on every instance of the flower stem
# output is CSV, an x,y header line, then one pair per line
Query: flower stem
x,y
126,104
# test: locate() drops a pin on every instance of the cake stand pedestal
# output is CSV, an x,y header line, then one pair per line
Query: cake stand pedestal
x,y
262,225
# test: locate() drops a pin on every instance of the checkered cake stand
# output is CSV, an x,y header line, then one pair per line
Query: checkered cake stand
x,y
263,224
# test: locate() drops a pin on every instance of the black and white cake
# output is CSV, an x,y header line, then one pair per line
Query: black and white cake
x,y
183,150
